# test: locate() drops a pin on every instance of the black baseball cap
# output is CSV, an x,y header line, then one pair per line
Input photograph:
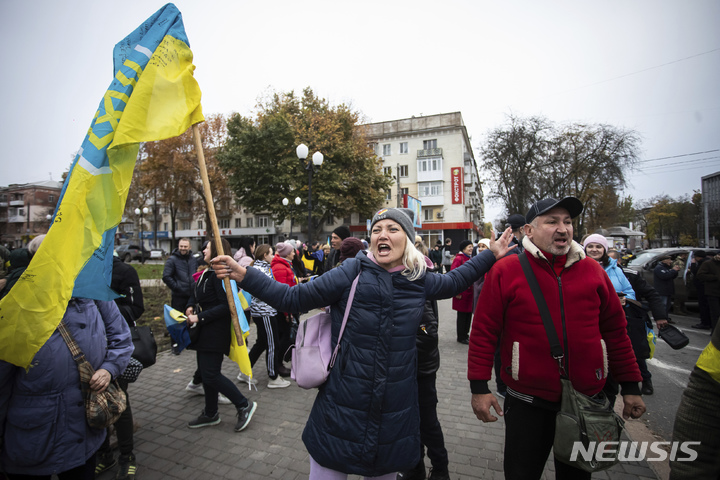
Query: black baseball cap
x,y
515,221
571,204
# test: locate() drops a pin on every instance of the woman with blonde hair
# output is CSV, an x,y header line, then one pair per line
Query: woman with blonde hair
x,y
365,418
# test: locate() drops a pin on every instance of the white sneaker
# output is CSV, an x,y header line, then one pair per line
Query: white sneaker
x,y
223,400
196,389
245,379
279,382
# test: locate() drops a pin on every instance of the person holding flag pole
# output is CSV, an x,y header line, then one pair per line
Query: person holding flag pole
x,y
210,347
153,96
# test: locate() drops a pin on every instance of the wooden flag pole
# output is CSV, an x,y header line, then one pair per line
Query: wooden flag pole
x,y
216,231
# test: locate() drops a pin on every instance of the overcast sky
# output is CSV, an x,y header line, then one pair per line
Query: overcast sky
x,y
652,66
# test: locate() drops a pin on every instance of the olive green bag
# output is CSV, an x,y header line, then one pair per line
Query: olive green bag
x,y
583,422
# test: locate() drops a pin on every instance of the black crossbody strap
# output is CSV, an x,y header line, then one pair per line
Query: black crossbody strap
x,y
555,349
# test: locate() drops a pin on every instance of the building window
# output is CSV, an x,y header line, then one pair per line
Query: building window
x,y
403,147
428,215
429,144
238,223
404,191
186,225
433,164
165,209
403,169
347,220
200,224
225,223
165,226
262,222
51,198
388,195
430,189
387,150
263,239
249,223
387,171
175,225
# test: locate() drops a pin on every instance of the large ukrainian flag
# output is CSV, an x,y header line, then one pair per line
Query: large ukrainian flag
x,y
152,97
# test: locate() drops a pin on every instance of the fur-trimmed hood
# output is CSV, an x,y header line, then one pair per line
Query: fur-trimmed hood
x,y
575,254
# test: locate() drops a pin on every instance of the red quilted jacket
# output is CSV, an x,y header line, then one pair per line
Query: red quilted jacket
x,y
581,296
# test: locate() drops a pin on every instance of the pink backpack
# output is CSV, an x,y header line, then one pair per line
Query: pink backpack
x,y
313,354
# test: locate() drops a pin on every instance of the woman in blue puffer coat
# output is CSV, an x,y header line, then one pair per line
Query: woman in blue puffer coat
x,y
596,247
365,418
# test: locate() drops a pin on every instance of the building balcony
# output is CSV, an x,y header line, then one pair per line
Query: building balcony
x,y
432,201
430,152
17,203
3,204
184,215
16,219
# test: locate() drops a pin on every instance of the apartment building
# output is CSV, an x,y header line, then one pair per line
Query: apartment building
x,y
432,162
25,211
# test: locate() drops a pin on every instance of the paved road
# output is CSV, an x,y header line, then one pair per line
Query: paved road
x,y
671,369
271,446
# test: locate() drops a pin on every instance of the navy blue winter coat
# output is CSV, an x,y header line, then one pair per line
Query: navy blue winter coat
x,y
365,418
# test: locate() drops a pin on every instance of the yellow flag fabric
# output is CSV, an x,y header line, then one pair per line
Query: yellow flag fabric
x,y
152,97
239,352
710,361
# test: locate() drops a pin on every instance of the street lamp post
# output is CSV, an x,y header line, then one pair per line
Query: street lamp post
x,y
141,213
317,160
286,202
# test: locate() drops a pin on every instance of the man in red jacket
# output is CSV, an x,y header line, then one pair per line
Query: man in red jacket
x,y
589,321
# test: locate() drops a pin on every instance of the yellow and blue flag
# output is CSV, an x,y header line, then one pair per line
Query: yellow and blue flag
x,y
238,349
153,96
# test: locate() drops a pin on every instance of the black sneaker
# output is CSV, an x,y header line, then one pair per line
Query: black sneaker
x,y
244,416
128,466
204,421
104,463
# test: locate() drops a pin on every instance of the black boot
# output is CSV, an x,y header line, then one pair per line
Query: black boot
x,y
417,473
647,387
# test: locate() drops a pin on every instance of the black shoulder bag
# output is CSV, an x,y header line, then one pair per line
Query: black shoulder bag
x,y
583,419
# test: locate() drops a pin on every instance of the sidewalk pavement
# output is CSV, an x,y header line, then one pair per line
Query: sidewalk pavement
x,y
271,446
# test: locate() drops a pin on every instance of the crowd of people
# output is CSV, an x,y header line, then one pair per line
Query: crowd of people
x,y
376,415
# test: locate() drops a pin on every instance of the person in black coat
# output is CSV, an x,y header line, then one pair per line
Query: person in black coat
x,y
209,325
126,282
663,277
431,434
698,258
178,272
645,293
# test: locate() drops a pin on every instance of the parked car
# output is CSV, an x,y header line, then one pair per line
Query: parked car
x,y
128,253
646,261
